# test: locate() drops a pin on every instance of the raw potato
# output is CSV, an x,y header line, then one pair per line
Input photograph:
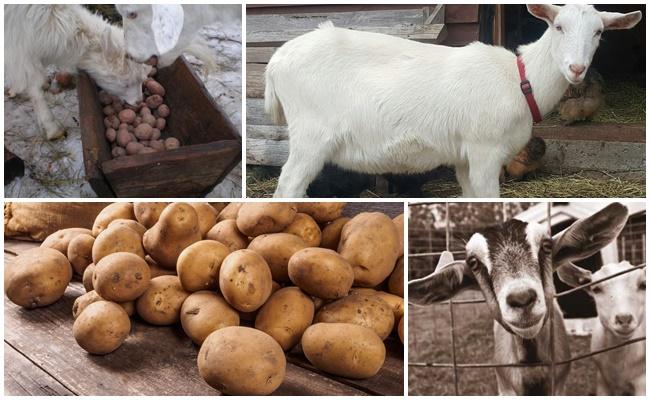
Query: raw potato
x,y
254,219
117,239
156,270
207,216
227,233
198,265
396,279
88,277
277,249
229,212
361,309
102,327
176,229
306,228
321,272
242,361
161,302
129,223
285,316
399,223
400,330
250,316
80,250
111,212
87,299
395,302
60,240
121,277
37,277
245,280
322,212
331,235
148,213
204,312
370,242
347,350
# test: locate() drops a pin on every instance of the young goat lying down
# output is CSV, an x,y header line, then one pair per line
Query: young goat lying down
x,y
512,265
620,302
168,30
71,38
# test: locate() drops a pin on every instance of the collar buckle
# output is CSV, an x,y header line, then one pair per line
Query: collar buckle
x,y
526,87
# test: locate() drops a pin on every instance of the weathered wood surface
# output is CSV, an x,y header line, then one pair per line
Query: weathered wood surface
x,y
152,361
255,81
259,55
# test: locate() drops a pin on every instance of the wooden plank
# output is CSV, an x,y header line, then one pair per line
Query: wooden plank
x,y
461,34
256,9
255,114
255,80
610,132
24,378
461,13
260,55
269,132
267,152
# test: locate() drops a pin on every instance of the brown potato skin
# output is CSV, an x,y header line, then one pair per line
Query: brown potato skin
x,y
102,327
399,224
396,303
227,233
347,350
207,216
37,277
331,234
322,211
80,252
121,277
86,299
245,280
396,279
117,239
321,272
176,229
400,330
147,213
60,240
306,228
371,244
237,360
199,264
277,249
361,309
285,316
111,212
204,312
87,278
230,211
254,219
161,303
129,223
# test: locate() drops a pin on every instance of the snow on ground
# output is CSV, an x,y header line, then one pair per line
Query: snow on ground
x,y
55,168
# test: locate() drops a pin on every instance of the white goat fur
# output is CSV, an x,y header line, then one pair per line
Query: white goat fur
x,y
379,104
71,38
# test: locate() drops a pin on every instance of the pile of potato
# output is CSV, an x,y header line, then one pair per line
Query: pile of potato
x,y
247,282
137,129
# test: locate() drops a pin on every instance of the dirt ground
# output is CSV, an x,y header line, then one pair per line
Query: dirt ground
x,y
430,341
55,169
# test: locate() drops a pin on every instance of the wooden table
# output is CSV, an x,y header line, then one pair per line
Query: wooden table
x,y
42,358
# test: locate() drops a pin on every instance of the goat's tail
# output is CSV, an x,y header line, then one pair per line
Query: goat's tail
x,y
272,105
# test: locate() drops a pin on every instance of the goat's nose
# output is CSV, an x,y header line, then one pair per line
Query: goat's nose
x,y
521,298
577,69
623,319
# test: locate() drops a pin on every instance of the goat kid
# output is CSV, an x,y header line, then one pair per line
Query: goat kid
x,y
620,302
512,264
378,104
71,38
168,30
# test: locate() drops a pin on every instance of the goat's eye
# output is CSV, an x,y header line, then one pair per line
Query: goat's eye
x,y
472,262
547,246
558,28
132,15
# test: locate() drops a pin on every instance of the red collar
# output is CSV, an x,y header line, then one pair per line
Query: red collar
x,y
527,90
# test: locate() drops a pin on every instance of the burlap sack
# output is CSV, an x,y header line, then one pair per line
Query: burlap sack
x,y
36,221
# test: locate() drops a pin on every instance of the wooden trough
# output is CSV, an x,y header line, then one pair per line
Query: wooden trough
x,y
211,146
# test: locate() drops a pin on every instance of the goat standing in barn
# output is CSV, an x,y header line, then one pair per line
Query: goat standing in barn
x,y
512,264
379,104
71,38
620,302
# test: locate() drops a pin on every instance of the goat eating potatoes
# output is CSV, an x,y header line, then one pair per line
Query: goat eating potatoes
x,y
512,264
620,302
72,38
379,104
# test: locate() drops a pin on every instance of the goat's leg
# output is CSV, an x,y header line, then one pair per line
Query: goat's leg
x,y
46,120
462,176
484,169
299,171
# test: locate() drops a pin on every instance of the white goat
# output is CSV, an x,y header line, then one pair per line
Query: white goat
x,y
168,30
379,104
512,265
620,302
72,38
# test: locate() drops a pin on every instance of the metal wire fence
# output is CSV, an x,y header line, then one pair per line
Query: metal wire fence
x,y
455,366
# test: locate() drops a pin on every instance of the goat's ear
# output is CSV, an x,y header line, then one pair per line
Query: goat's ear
x,y
573,275
441,285
612,20
588,235
545,12
166,24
